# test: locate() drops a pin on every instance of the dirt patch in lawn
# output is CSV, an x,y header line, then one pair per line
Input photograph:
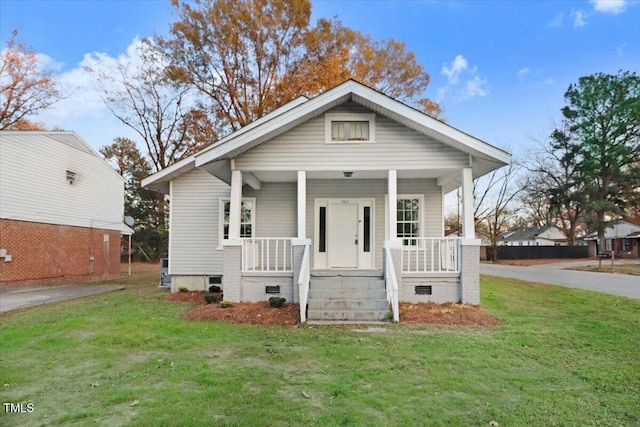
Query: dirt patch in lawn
x,y
262,313
446,314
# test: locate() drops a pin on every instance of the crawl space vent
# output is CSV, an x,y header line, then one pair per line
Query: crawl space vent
x,y
272,289
215,280
423,290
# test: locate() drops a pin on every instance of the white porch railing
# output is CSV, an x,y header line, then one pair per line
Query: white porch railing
x,y
303,283
431,255
391,283
269,254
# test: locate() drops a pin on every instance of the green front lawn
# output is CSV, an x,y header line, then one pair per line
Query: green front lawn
x,y
561,357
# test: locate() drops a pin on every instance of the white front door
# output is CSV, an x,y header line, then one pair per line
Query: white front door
x,y
343,235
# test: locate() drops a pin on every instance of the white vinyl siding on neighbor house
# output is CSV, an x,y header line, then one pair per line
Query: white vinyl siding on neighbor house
x,y
377,189
395,147
194,224
34,180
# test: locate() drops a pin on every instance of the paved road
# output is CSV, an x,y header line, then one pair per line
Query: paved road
x,y
617,284
15,300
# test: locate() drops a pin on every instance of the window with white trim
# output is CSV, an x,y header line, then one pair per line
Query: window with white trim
x,y
247,218
349,127
408,220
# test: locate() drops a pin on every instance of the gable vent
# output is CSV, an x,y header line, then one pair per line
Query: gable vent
x,y
71,177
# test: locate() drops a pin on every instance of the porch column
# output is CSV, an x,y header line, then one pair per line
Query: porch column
x,y
235,205
302,204
469,246
468,223
392,214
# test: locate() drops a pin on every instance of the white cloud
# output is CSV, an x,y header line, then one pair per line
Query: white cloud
x,y
454,70
474,87
459,70
579,18
609,6
524,72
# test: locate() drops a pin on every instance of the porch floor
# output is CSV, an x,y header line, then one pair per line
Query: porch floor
x,y
347,273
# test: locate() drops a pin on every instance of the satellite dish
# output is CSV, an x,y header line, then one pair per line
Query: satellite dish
x,y
129,221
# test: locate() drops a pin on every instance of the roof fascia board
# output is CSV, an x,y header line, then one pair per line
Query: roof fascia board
x,y
309,107
184,166
176,169
424,121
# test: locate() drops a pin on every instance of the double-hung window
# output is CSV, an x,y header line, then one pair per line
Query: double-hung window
x,y
247,218
409,219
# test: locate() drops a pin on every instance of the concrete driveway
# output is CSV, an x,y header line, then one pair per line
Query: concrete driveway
x,y
624,285
15,300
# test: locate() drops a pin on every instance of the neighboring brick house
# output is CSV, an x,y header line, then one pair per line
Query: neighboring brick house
x,y
622,239
61,209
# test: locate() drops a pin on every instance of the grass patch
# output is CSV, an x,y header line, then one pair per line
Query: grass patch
x,y
606,267
560,357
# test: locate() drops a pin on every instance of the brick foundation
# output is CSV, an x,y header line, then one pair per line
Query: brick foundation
x,y
51,253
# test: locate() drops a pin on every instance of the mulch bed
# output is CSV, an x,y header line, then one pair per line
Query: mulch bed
x,y
446,314
261,313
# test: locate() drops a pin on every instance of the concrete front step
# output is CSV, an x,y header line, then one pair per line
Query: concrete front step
x,y
347,298
351,305
348,315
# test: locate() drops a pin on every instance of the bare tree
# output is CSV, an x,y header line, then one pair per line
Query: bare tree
x,y
161,112
494,207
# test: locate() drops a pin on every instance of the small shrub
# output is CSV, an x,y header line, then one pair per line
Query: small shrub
x,y
183,289
209,299
226,304
215,289
276,302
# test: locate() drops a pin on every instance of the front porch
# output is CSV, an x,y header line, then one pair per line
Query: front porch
x,y
424,270
382,230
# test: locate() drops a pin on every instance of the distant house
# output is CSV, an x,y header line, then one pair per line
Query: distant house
x,y
61,209
622,238
335,202
534,236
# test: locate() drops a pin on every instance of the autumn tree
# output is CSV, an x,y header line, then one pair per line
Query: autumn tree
x,y
25,88
601,127
145,206
250,57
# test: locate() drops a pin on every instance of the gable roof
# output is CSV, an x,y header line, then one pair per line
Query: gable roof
x,y
66,137
524,234
215,158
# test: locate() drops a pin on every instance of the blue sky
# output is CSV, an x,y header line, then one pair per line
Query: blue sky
x,y
498,68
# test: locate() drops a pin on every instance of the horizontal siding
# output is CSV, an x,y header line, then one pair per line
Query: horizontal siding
x,y
377,189
195,219
194,222
276,209
396,147
33,185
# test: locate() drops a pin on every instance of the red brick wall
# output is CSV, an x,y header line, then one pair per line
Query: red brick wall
x,y
48,252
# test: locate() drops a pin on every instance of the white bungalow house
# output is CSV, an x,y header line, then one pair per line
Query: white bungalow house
x,y
335,202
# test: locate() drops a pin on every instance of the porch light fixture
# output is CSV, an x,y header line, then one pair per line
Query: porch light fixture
x,y
347,174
